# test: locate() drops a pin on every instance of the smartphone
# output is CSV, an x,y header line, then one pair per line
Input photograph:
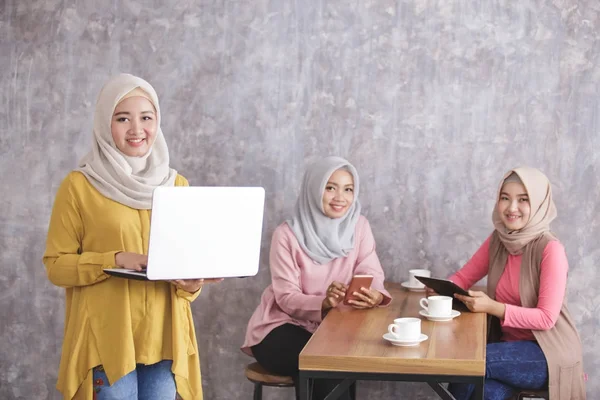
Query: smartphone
x,y
356,283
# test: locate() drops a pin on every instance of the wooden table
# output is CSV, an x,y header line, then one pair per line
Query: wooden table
x,y
349,345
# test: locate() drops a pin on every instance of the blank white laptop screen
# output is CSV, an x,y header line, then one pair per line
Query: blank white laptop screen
x,y
203,232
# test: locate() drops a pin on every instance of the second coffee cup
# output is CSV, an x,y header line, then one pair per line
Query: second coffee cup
x,y
437,306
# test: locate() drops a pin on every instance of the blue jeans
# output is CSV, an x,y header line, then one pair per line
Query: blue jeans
x,y
145,382
509,366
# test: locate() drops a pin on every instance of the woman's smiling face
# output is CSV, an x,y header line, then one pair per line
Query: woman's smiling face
x,y
339,194
134,125
513,206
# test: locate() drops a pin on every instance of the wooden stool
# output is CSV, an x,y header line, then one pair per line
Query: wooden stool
x,y
261,377
534,394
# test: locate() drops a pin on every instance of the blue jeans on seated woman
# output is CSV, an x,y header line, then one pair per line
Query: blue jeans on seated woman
x,y
145,382
509,367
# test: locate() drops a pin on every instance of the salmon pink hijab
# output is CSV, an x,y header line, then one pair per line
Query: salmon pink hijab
x,y
543,210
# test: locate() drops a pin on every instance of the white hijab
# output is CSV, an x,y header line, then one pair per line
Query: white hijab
x,y
127,180
321,237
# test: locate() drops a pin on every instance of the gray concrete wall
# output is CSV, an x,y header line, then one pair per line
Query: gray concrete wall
x,y
431,100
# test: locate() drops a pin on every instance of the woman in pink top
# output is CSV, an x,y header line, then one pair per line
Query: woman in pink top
x,y
313,258
526,268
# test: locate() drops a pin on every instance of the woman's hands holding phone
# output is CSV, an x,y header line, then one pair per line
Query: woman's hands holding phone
x,y
361,299
366,298
334,295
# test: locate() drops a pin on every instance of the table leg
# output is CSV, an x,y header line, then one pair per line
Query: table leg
x,y
478,393
444,394
305,387
353,391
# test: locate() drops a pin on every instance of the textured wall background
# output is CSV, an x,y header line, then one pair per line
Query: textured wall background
x,y
432,101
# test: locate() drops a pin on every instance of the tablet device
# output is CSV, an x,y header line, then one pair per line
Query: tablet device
x,y
443,287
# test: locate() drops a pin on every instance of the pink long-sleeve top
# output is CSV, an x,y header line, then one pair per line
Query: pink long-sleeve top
x,y
299,284
520,321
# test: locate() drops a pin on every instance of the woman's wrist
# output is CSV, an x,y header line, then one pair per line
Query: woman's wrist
x,y
325,305
116,257
498,309
379,298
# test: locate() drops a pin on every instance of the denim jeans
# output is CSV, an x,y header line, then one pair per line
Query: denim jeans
x,y
145,382
509,366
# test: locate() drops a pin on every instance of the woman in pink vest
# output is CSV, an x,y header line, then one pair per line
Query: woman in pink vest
x,y
313,257
533,342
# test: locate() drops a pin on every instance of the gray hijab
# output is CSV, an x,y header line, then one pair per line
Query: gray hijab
x,y
321,237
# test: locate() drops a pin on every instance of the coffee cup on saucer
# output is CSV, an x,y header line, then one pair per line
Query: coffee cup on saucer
x,y
413,281
405,332
405,329
413,284
438,308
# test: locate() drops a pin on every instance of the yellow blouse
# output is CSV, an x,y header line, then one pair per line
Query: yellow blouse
x,y
112,321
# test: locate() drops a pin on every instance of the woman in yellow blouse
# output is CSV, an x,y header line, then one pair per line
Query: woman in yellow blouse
x,y
124,339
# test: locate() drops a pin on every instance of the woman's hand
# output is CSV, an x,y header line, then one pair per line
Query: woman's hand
x,y
430,292
369,298
478,301
131,261
334,295
193,285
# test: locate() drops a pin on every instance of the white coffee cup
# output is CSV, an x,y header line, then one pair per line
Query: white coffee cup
x,y
414,282
405,329
437,306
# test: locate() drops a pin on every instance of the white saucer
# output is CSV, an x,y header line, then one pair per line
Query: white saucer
x,y
453,315
407,285
398,342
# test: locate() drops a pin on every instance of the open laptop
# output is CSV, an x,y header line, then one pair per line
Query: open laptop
x,y
202,232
